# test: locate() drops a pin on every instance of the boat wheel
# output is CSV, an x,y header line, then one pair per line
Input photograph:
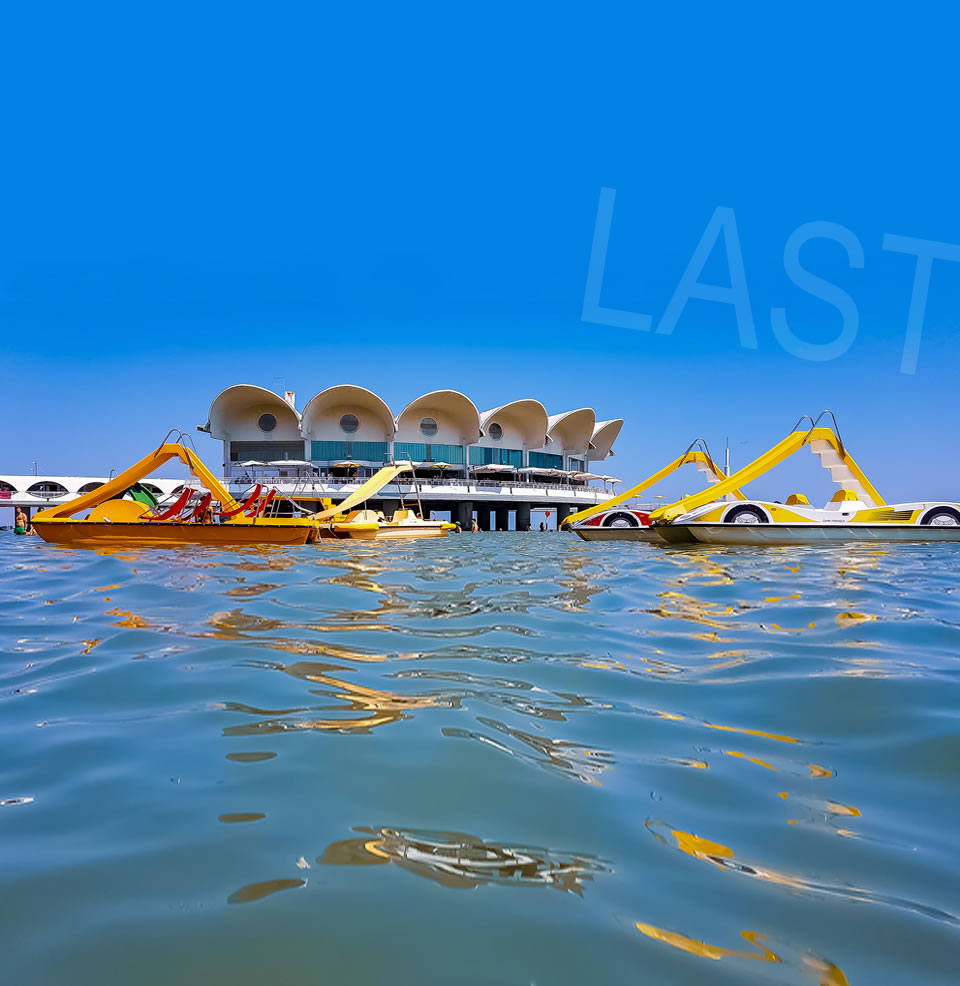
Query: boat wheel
x,y
745,515
942,518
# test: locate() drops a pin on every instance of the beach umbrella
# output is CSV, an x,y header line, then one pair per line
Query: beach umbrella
x,y
252,462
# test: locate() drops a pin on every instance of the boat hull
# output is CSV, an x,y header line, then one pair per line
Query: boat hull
x,y
390,532
617,533
353,532
81,533
788,534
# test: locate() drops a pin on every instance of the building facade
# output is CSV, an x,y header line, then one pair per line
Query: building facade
x,y
350,428
512,458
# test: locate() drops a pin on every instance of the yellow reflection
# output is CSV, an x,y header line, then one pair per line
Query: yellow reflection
x,y
366,707
681,606
129,619
743,756
674,717
852,619
257,891
830,975
705,951
827,972
457,860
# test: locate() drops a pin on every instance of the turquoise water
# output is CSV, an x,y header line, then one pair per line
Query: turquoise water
x,y
512,758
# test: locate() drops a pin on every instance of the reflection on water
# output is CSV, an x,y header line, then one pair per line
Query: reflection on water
x,y
460,861
568,758
826,973
257,891
723,857
710,951
762,740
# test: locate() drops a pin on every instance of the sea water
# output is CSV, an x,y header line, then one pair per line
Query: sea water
x,y
494,758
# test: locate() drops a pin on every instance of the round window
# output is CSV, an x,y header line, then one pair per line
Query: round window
x,y
349,423
428,427
495,431
267,422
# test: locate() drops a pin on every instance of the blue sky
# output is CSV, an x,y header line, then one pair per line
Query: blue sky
x,y
405,198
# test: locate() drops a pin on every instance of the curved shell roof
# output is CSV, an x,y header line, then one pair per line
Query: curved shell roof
x,y
349,395
239,397
528,416
573,429
604,435
451,404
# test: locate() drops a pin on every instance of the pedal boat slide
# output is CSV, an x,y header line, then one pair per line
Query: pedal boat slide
x,y
856,512
605,522
123,511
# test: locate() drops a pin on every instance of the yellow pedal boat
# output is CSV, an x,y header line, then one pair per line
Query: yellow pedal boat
x,y
856,511
613,521
404,524
192,519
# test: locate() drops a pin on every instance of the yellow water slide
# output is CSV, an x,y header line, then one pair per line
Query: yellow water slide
x,y
823,442
383,477
140,470
701,460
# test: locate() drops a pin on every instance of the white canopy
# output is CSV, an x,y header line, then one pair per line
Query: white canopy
x,y
611,479
289,462
493,467
252,462
540,471
587,476
436,465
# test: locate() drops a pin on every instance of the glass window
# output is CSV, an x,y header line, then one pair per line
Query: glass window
x,y
428,426
495,431
267,422
349,423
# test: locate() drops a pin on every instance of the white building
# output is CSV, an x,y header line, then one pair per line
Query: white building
x,y
461,454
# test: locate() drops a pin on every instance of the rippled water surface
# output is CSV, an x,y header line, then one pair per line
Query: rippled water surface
x,y
512,758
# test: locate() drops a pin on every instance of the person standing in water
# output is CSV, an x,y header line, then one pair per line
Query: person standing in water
x,y
21,522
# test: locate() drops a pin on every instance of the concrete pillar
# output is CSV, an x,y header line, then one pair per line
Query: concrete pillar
x,y
483,517
503,518
464,514
563,512
523,516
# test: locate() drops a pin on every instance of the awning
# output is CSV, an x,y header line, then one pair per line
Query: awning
x,y
251,462
289,462
492,467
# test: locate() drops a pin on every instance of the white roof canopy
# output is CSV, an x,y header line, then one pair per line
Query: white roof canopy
x,y
573,429
604,435
455,407
232,404
528,416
